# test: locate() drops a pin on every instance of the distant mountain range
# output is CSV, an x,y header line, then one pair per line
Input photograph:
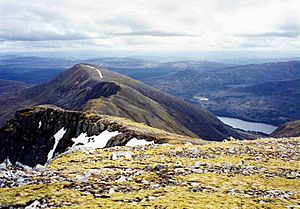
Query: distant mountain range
x,y
267,92
92,89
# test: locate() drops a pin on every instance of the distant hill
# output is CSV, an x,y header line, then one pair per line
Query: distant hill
x,y
11,86
291,129
266,92
32,70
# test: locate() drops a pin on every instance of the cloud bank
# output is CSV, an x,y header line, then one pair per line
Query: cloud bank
x,y
139,25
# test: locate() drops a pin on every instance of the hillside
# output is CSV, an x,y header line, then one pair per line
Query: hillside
x,y
12,87
236,174
291,129
267,92
92,89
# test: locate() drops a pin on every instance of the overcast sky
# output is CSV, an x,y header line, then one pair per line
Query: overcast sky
x,y
149,25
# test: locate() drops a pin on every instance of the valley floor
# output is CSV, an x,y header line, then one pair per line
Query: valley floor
x,y
237,174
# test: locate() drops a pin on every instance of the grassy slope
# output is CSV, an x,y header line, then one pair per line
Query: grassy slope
x,y
249,174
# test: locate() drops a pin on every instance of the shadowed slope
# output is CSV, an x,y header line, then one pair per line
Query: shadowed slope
x,y
291,129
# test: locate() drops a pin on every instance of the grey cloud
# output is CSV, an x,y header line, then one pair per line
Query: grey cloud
x,y
290,24
130,22
139,27
40,37
254,44
288,27
286,34
154,34
36,37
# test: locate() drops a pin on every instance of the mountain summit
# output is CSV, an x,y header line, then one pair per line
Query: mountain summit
x,y
92,89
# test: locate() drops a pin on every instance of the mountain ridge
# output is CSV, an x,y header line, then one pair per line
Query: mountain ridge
x,y
82,88
31,135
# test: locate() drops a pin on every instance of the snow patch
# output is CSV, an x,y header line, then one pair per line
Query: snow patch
x,y
6,163
25,167
40,167
57,137
97,141
33,205
99,72
138,142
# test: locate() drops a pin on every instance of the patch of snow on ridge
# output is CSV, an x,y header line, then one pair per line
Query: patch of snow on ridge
x,y
137,142
57,137
97,141
25,167
200,98
99,72
5,164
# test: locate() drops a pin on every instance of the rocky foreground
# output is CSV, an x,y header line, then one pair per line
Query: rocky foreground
x,y
250,174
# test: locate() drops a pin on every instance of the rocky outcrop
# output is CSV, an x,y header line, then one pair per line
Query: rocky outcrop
x,y
35,133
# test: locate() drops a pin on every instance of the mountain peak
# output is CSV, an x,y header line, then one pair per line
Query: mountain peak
x,y
93,89
93,70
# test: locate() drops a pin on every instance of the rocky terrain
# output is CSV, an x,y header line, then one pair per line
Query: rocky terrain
x,y
37,134
233,174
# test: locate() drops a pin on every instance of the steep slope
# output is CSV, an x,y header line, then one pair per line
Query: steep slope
x,y
291,129
37,134
96,90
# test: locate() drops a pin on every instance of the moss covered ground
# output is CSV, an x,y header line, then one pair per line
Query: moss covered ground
x,y
237,174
